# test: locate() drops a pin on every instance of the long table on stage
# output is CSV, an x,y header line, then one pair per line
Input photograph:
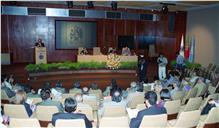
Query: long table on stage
x,y
103,58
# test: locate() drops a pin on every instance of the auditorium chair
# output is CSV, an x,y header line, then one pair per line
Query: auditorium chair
x,y
211,119
87,111
67,95
74,91
214,96
24,123
172,108
179,95
140,107
92,102
70,123
114,111
97,93
154,121
186,119
35,100
44,114
114,122
201,91
193,104
135,100
15,111
190,94
4,97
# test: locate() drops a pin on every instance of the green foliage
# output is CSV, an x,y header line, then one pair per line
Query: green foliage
x,y
67,65
128,65
187,64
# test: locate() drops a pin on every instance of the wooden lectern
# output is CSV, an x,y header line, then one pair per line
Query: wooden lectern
x,y
40,55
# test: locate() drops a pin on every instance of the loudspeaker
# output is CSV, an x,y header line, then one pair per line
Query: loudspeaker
x,y
114,5
70,4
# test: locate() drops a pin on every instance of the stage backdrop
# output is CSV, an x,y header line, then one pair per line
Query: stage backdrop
x,y
72,35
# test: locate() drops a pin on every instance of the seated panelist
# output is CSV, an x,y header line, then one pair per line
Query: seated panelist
x,y
126,51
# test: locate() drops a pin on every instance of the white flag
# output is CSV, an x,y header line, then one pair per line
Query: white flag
x,y
182,47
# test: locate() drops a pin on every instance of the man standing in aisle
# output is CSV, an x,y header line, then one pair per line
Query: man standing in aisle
x,y
162,62
142,69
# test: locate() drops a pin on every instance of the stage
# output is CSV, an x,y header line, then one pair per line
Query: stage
x,y
101,77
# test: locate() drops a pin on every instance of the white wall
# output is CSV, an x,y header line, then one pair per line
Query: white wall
x,y
203,24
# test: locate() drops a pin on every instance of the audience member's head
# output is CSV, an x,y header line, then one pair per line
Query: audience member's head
x,y
59,84
113,83
85,90
79,98
77,84
94,86
45,93
150,98
47,85
20,97
70,105
117,96
165,94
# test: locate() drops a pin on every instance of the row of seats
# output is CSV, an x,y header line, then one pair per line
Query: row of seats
x,y
185,119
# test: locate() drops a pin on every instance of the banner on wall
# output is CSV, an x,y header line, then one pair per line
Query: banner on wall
x,y
40,55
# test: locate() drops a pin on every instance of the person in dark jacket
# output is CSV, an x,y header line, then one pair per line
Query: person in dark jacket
x,y
151,109
70,113
142,69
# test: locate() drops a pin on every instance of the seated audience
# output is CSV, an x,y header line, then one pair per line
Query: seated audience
x,y
45,94
9,92
174,89
21,98
76,87
164,96
151,109
211,103
116,101
59,87
70,113
86,95
111,88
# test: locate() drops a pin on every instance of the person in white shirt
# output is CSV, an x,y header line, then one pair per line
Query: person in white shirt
x,y
126,51
162,62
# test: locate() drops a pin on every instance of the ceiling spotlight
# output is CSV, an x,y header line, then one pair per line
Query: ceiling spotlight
x,y
114,5
164,9
90,4
70,4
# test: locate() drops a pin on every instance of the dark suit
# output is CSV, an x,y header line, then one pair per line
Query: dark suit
x,y
153,110
142,70
71,116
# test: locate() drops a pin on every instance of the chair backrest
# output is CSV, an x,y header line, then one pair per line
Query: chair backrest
x,y
137,99
110,122
24,123
212,116
140,107
67,95
154,121
4,95
188,119
147,88
193,104
92,103
88,111
74,90
44,113
201,89
172,107
97,93
191,94
212,96
35,100
114,111
96,51
211,89
15,111
178,95
69,123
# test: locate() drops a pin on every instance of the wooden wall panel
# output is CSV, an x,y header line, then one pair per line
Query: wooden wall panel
x,y
23,31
